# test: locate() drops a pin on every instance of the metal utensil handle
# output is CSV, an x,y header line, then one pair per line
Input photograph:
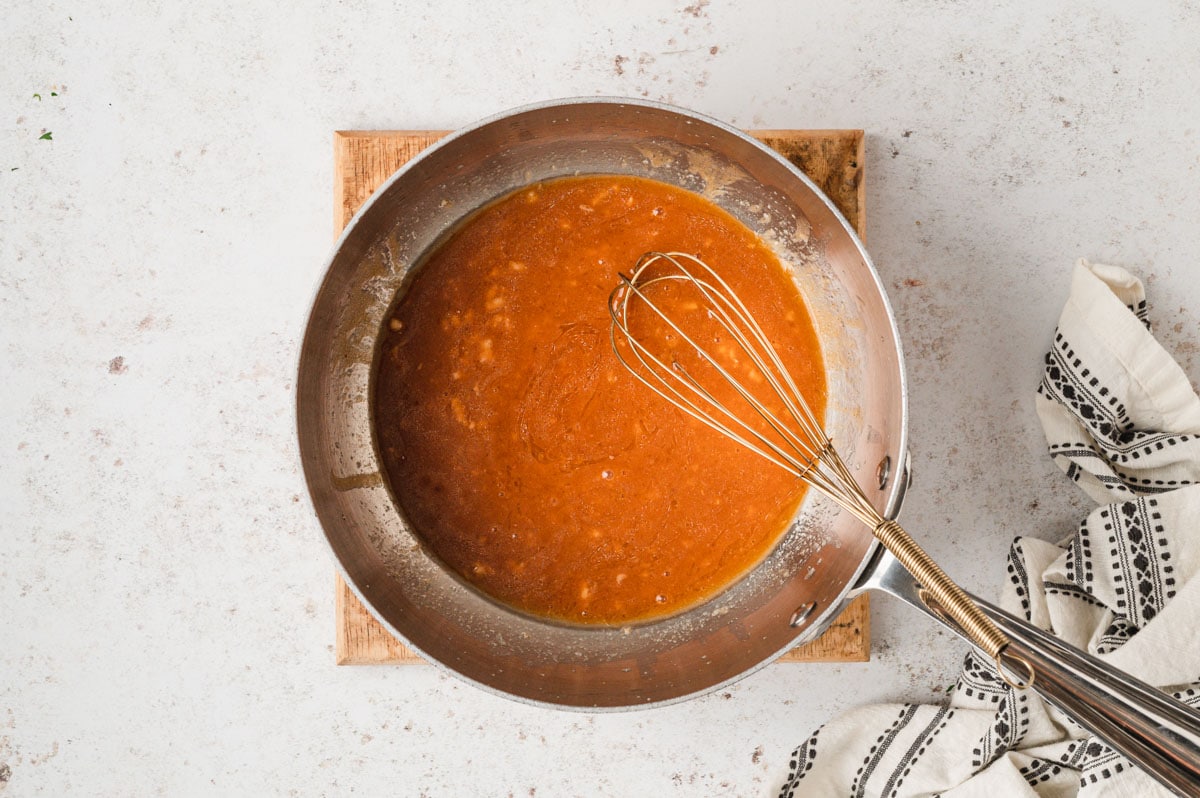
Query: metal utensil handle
x,y
1157,732
1153,729
950,599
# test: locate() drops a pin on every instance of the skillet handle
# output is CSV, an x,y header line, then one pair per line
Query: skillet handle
x,y
1157,732
1154,730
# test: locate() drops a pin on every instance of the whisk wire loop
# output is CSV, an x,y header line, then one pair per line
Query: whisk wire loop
x,y
708,410
738,320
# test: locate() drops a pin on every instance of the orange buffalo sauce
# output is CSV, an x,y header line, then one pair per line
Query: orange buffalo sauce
x,y
521,451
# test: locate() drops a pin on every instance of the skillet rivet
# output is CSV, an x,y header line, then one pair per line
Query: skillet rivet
x,y
802,613
884,471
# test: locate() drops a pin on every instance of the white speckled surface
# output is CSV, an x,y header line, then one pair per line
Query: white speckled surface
x,y
165,592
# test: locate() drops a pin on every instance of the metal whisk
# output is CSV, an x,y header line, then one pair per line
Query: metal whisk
x,y
765,411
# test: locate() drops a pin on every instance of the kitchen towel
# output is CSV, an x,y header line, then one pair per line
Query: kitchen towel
x,y
1123,422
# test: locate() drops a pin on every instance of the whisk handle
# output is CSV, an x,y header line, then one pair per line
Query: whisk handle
x,y
939,592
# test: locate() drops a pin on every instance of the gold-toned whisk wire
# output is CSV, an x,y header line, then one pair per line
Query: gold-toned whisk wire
x,y
729,319
812,457
800,444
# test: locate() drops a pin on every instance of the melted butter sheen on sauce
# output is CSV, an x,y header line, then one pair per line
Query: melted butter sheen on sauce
x,y
523,453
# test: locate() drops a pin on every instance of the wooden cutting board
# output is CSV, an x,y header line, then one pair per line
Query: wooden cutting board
x,y
364,159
